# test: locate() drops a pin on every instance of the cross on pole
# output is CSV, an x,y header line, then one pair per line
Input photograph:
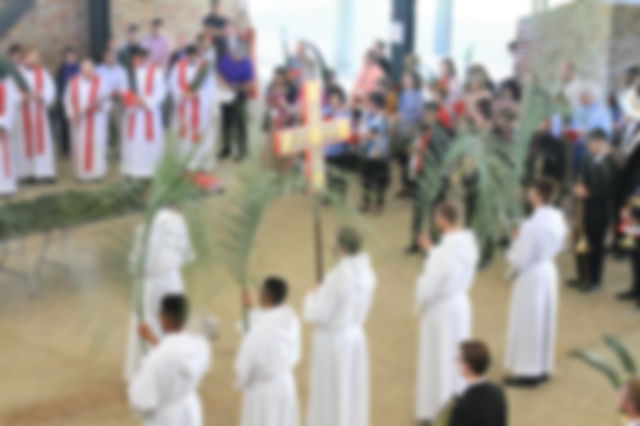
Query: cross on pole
x,y
311,138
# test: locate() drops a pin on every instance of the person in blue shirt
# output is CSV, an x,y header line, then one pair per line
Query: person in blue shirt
x,y
375,153
237,71
337,155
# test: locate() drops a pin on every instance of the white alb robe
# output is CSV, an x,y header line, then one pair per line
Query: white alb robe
x,y
8,97
445,320
264,369
143,132
164,391
339,388
34,142
534,301
86,101
169,249
194,116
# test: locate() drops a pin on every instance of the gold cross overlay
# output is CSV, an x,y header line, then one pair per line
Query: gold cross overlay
x,y
313,136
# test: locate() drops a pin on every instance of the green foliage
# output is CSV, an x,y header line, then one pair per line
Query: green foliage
x,y
171,185
622,353
256,188
70,208
617,377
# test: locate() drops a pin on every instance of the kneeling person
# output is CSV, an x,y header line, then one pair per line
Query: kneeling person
x,y
163,392
269,352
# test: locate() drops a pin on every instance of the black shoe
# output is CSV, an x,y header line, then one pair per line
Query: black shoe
x,y
627,295
224,154
575,283
412,249
523,382
590,288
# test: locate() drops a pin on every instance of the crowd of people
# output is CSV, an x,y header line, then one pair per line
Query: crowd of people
x,y
126,104
587,155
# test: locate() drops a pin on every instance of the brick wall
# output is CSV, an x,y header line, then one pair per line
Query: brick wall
x,y
51,25
180,16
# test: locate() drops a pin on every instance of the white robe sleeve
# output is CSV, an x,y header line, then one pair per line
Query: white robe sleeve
x,y
433,279
525,250
12,95
49,94
320,305
245,364
144,396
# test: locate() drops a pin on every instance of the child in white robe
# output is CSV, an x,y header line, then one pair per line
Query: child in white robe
x,y
264,365
164,391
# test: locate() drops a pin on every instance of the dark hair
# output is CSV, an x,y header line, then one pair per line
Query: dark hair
x,y
277,289
545,188
69,50
449,211
349,240
139,51
191,50
432,106
157,22
338,92
512,86
475,354
597,135
378,100
176,308
132,28
485,108
14,48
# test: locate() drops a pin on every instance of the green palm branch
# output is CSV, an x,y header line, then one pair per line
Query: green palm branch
x,y
617,374
255,189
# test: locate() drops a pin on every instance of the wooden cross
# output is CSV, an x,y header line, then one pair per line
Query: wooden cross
x,y
313,136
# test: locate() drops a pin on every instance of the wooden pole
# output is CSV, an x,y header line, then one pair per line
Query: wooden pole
x,y
317,230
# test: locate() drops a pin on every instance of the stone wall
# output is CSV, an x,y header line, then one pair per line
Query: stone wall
x,y
51,25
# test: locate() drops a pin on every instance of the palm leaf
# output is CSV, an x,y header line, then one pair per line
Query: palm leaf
x,y
622,353
598,363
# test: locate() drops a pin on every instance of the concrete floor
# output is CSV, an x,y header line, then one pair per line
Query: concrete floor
x,y
61,352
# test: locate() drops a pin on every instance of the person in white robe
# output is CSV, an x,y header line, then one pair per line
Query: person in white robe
x,y
143,141
444,309
164,391
338,309
85,104
169,249
193,89
8,97
34,141
269,352
534,303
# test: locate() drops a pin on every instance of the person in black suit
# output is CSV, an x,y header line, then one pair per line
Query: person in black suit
x,y
483,403
594,191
